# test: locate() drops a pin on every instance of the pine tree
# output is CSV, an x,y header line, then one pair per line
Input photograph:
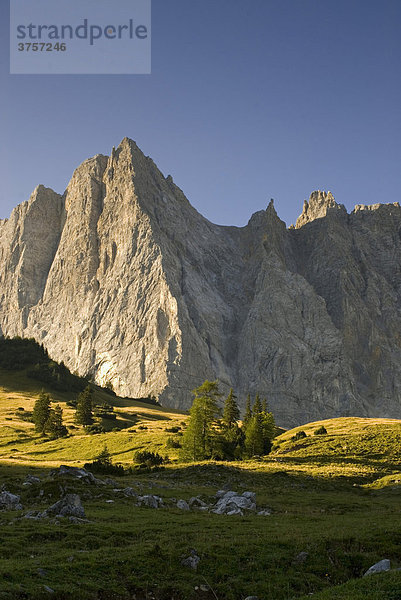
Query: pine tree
x,y
83,413
41,411
254,437
264,405
231,412
104,457
257,406
197,442
248,411
54,425
268,431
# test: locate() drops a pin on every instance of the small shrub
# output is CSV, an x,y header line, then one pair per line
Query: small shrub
x,y
148,459
320,431
95,429
172,429
172,443
299,436
103,465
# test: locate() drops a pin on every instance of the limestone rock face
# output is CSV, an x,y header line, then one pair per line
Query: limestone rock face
x,y
122,279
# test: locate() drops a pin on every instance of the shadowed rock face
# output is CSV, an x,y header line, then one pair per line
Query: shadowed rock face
x,y
122,279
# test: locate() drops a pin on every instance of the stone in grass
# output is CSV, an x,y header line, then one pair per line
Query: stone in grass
x,y
9,501
300,558
183,505
192,560
150,501
31,480
196,502
128,491
379,567
69,506
48,589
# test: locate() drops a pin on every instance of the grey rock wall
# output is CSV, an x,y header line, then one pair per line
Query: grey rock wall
x,y
122,279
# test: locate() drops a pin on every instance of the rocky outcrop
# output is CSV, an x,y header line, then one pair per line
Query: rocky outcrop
x,y
121,278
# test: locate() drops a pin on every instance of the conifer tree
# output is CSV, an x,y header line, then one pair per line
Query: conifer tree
x,y
41,411
231,413
104,457
268,431
257,406
248,411
254,437
54,425
83,413
197,442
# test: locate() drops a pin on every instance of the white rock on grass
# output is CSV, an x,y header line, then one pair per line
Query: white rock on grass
x,y
379,567
150,501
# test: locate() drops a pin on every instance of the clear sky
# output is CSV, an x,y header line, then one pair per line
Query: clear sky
x,y
248,100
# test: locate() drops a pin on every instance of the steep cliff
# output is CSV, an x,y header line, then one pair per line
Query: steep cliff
x,y
122,279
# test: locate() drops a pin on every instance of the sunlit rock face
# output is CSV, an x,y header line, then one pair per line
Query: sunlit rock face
x,y
121,278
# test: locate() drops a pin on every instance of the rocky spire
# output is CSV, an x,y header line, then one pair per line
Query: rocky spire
x,y
317,207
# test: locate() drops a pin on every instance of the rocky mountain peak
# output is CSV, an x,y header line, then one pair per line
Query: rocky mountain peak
x,y
121,278
317,207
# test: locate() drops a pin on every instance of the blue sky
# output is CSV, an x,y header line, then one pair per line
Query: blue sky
x,y
248,100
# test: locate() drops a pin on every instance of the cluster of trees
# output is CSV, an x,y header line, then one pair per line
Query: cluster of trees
x,y
212,434
48,420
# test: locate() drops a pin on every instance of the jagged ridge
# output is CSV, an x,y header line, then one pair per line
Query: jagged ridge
x,y
123,279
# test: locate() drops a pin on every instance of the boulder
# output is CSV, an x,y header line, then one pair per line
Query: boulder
x,y
150,501
233,503
9,501
379,567
192,560
183,505
69,506
250,495
196,502
76,473
31,480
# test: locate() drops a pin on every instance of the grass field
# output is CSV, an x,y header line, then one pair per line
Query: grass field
x,y
335,497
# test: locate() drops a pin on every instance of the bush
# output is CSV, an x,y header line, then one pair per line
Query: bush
x,y
320,431
172,443
103,465
148,459
105,468
298,436
95,429
172,429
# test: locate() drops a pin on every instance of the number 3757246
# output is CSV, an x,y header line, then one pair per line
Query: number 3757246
x,y
41,47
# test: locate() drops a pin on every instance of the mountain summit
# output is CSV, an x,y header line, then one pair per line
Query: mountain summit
x,y
122,279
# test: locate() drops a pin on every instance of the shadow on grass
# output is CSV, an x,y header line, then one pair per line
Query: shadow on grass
x,y
375,460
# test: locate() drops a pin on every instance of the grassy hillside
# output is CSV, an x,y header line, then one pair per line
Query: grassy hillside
x,y
335,497
354,448
137,426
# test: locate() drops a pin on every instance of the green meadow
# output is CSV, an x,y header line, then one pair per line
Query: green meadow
x,y
333,497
